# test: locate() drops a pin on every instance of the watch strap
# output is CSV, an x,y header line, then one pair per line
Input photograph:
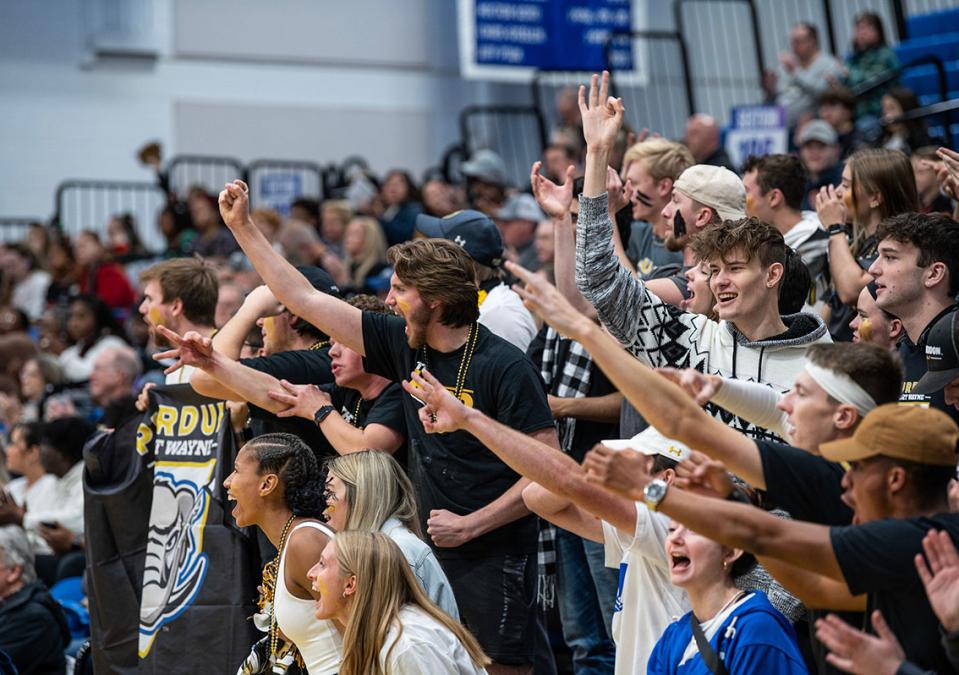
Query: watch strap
x,y
322,413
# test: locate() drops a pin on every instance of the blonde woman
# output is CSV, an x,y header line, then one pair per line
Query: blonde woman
x,y
390,626
365,248
369,491
876,184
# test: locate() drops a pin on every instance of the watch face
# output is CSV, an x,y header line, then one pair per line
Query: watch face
x,y
655,490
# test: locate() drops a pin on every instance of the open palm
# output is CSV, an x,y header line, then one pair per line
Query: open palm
x,y
602,115
554,199
941,577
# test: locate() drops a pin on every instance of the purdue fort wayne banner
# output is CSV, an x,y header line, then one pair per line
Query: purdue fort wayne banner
x,y
199,572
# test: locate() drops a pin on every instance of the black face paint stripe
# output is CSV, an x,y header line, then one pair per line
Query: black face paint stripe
x,y
679,224
643,198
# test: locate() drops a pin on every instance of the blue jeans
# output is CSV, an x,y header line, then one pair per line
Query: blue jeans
x,y
586,590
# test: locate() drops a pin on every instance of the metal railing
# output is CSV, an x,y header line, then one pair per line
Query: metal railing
x,y
657,92
276,183
14,229
516,133
943,109
892,75
726,72
89,204
206,171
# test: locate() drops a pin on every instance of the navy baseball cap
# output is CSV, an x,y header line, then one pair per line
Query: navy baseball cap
x,y
942,355
319,279
474,231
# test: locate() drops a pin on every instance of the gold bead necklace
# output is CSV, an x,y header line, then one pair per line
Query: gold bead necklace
x,y
274,631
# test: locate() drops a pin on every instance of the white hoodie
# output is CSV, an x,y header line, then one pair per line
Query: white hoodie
x,y
662,335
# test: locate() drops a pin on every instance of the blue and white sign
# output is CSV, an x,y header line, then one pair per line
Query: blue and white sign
x,y
756,130
278,190
510,39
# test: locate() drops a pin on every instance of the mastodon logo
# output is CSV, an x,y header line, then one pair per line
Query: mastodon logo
x,y
175,564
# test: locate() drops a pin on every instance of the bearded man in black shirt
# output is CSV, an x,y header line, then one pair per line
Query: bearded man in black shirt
x,y
470,502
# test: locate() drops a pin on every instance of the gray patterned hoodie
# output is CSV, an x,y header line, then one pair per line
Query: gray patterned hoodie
x,y
661,335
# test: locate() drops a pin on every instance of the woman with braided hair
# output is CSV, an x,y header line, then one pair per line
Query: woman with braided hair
x,y
277,486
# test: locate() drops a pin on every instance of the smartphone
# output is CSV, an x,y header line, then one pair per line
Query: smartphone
x,y
48,523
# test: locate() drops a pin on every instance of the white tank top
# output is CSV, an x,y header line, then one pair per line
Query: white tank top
x,y
320,644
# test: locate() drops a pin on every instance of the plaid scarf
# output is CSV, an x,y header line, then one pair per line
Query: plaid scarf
x,y
567,378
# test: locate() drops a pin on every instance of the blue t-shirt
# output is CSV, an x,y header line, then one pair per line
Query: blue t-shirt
x,y
754,638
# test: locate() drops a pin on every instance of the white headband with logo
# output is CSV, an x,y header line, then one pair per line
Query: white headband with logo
x,y
841,387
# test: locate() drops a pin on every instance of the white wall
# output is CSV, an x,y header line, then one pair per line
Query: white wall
x,y
292,79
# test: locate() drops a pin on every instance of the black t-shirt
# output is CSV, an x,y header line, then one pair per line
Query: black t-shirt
x,y
914,367
385,409
455,471
808,488
586,433
300,366
877,558
804,485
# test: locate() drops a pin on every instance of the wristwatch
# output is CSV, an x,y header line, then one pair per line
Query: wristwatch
x,y
322,413
654,493
837,228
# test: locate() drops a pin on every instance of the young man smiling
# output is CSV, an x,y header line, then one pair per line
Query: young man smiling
x,y
470,502
746,259
917,278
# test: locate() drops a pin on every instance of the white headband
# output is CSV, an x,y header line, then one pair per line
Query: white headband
x,y
841,387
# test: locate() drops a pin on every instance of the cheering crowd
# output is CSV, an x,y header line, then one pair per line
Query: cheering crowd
x,y
708,417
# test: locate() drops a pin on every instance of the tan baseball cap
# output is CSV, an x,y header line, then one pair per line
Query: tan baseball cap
x,y
716,187
910,432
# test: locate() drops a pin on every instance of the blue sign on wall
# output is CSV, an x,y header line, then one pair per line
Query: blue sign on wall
x,y
551,34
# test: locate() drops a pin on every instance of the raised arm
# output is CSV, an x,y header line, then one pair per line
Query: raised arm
x,y
339,320
664,404
555,200
238,382
805,545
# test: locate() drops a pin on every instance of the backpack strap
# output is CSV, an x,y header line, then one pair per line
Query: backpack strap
x,y
710,657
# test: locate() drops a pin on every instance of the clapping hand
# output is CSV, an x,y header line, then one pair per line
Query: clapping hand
x,y
619,195
829,206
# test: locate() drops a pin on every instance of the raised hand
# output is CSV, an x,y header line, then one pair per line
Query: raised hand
x,y
602,114
941,577
699,473
554,199
542,298
235,205
829,206
700,387
621,471
442,412
302,400
191,349
855,651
